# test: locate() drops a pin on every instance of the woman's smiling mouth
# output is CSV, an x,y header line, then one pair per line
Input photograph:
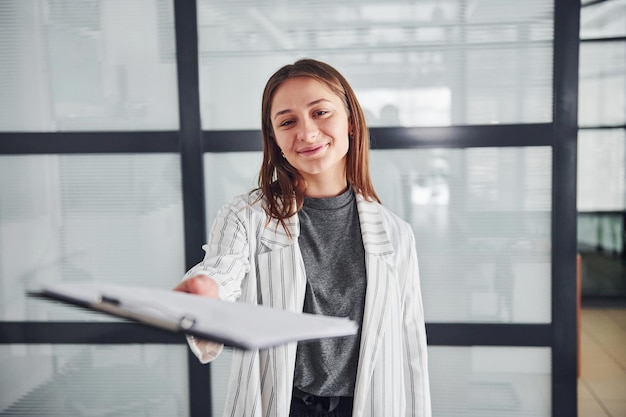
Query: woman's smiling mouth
x,y
313,150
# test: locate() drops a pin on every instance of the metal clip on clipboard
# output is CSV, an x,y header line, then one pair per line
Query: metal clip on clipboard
x,y
133,310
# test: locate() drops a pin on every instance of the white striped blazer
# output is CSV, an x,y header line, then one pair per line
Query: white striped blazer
x,y
258,262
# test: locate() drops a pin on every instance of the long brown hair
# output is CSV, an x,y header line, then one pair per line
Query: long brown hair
x,y
281,183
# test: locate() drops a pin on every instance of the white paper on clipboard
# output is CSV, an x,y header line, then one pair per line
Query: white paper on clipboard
x,y
239,325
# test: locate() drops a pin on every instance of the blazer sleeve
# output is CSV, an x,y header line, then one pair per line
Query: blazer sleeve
x,y
415,352
226,260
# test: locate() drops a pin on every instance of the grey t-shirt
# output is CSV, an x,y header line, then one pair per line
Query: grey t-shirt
x,y
334,259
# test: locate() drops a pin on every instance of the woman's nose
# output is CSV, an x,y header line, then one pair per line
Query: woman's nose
x,y
308,130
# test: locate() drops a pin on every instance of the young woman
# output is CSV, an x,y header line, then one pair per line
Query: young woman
x,y
314,237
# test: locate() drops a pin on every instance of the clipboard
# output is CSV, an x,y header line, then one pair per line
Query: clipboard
x,y
235,324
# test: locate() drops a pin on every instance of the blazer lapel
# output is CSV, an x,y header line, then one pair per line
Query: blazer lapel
x,y
375,237
274,236
380,270
281,272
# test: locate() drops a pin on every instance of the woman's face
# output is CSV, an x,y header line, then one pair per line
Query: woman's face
x,y
311,128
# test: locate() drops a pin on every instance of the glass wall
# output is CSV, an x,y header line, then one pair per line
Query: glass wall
x,y
487,208
482,209
115,218
411,63
482,216
74,380
88,66
602,148
490,382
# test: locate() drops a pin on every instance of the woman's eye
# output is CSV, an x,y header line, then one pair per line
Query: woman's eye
x,y
285,123
320,112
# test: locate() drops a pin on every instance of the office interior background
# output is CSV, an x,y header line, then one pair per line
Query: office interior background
x,y
498,131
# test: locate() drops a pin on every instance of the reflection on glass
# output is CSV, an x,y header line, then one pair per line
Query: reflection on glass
x,y
66,380
481,218
601,232
414,107
490,381
109,218
601,250
411,63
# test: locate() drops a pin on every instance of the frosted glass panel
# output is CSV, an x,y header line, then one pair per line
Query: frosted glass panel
x,y
90,65
220,372
603,20
481,218
465,381
602,84
411,63
72,380
601,171
490,381
106,218
227,175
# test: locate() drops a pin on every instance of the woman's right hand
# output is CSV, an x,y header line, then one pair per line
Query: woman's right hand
x,y
199,285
